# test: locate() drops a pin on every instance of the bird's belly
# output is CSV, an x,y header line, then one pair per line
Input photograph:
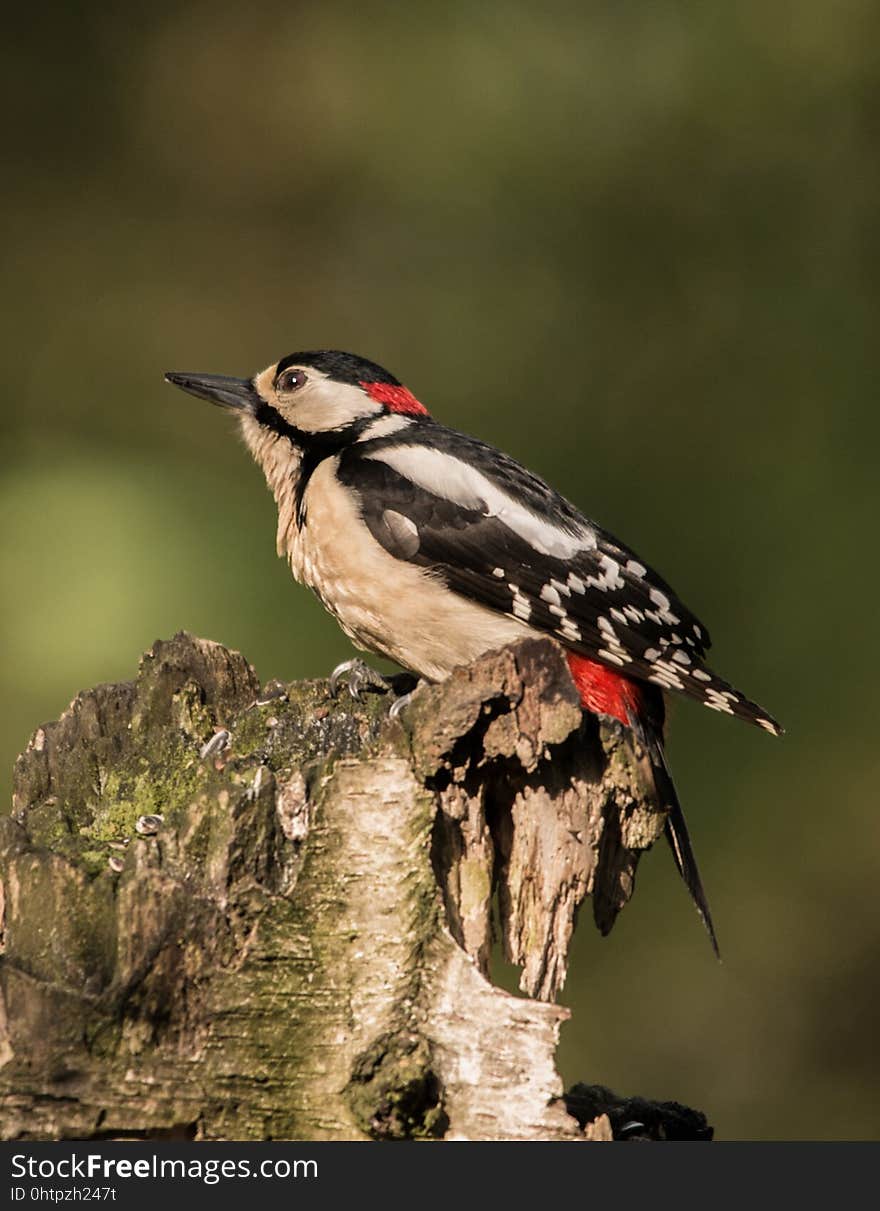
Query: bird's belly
x,y
391,607
422,626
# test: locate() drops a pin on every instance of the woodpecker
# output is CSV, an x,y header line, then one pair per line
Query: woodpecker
x,y
431,547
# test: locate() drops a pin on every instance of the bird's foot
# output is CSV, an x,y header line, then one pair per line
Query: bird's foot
x,y
360,677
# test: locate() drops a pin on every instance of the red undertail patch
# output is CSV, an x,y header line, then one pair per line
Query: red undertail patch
x,y
603,691
396,399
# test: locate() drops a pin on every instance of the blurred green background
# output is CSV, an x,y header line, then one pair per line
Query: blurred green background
x,y
635,244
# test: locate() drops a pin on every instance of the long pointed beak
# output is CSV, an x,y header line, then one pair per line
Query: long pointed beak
x,y
235,393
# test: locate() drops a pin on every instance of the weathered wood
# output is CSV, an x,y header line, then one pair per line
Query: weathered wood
x,y
301,947
544,802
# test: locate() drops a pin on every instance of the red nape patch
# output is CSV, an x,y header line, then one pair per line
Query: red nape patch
x,y
396,399
603,691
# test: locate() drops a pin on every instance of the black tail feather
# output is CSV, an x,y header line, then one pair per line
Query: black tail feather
x,y
682,851
679,840
648,727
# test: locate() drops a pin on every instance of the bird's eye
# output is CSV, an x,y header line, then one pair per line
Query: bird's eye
x,y
290,380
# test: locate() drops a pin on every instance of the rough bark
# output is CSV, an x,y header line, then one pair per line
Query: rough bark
x,y
301,946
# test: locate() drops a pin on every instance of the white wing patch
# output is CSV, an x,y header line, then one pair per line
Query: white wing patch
x,y
451,479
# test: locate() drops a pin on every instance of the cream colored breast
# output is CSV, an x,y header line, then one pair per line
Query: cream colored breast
x,y
385,605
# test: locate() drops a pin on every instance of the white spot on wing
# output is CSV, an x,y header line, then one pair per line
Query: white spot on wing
x,y
717,702
669,682
664,612
521,607
661,617
611,573
548,593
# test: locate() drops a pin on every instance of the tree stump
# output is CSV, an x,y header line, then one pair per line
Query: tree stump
x,y
234,912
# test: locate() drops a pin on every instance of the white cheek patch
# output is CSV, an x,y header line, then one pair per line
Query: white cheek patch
x,y
451,479
322,405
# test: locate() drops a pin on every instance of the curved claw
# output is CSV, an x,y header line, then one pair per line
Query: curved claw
x,y
360,677
400,704
337,675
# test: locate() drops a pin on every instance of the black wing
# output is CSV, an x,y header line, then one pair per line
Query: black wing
x,y
498,535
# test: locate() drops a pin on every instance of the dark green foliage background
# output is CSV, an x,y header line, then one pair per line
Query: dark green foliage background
x,y
637,245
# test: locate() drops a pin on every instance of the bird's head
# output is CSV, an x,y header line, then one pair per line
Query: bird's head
x,y
322,398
